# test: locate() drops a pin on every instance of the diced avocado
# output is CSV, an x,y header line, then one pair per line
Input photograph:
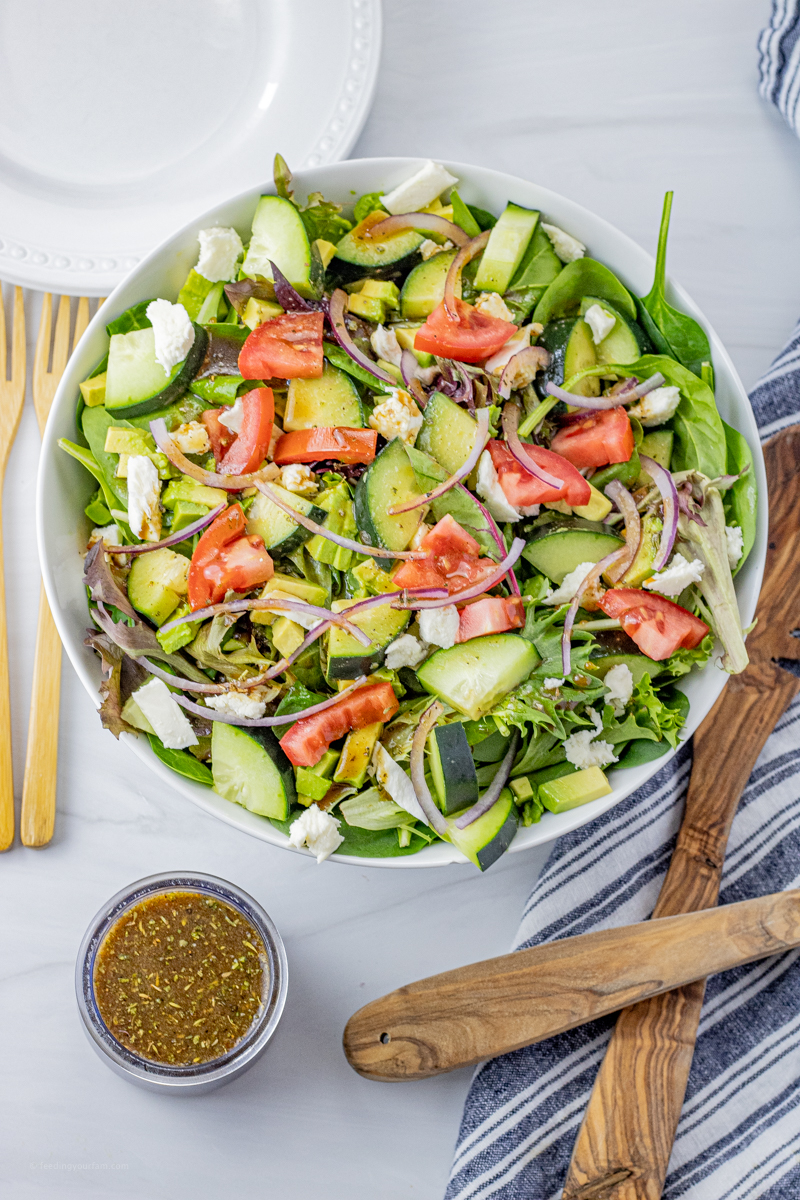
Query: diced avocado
x,y
330,400
506,248
474,675
326,764
382,289
423,290
356,755
560,795
637,664
286,636
251,769
522,789
189,490
569,341
128,441
405,335
368,307
373,578
325,250
488,838
94,390
308,783
180,635
256,312
156,583
557,548
642,566
185,513
455,782
448,432
392,370
597,509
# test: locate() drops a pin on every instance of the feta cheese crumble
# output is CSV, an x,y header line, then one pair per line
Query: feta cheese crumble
x,y
191,438
619,682
317,830
397,416
299,479
405,651
232,418
488,487
219,250
583,750
429,248
439,626
567,590
248,705
657,406
173,332
420,190
677,576
565,245
109,535
600,322
144,496
551,685
735,544
493,304
166,716
385,344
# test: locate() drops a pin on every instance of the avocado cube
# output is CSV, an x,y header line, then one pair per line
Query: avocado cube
x,y
128,441
372,577
325,250
181,635
384,290
560,795
94,391
597,509
368,307
287,636
186,513
310,784
649,542
256,312
405,335
356,754
193,492
295,589
521,788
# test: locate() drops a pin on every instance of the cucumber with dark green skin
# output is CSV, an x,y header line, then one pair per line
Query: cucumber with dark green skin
x,y
448,432
251,769
357,256
558,547
389,482
473,676
569,341
347,658
133,387
423,290
488,838
455,782
626,342
281,534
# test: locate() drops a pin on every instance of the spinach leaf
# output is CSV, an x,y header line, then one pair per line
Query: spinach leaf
x,y
583,277
686,339
88,460
482,218
660,343
96,423
181,762
741,501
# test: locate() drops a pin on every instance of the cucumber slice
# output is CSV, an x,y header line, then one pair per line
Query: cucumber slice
x,y
423,290
389,481
251,769
626,342
559,547
474,675
448,432
346,657
455,782
279,532
328,401
279,236
572,349
637,664
488,838
136,383
506,248
390,257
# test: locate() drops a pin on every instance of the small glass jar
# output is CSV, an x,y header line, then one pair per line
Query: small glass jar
x,y
189,1080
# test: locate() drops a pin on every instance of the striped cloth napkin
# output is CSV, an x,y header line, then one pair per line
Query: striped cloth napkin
x,y
739,1134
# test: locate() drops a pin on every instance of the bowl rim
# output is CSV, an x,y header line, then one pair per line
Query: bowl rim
x,y
550,202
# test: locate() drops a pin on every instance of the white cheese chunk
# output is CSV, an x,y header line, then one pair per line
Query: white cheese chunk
x,y
583,750
567,247
493,304
191,438
173,332
232,417
220,249
677,576
657,406
735,542
572,581
600,322
405,651
318,830
385,344
109,535
518,341
439,626
420,190
144,495
248,705
166,716
397,416
619,682
394,781
429,248
489,489
550,684
299,479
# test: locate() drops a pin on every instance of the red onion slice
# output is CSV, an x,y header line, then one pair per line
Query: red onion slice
x,y
426,802
481,438
408,369
266,603
597,402
492,793
417,220
465,255
595,573
496,534
429,593
231,483
517,449
533,356
669,496
517,546
211,714
626,504
649,385
336,310
174,538
347,543
186,685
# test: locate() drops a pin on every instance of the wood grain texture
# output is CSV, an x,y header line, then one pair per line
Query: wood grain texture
x,y
461,1017
626,1137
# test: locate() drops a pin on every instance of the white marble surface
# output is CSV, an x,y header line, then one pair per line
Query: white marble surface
x,y
611,104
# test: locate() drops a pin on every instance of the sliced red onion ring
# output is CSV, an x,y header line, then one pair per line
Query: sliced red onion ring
x,y
649,385
347,543
408,369
492,793
669,496
517,449
336,310
517,546
626,504
532,356
426,803
481,438
466,254
429,593
496,534
267,603
174,538
596,402
595,573
417,220
187,685
211,714
231,483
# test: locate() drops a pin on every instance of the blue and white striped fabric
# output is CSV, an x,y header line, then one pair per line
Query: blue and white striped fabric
x,y
779,62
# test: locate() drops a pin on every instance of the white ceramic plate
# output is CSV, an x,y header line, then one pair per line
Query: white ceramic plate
x,y
120,121
64,488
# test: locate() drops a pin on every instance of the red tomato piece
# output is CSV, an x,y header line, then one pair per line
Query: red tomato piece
x,y
314,445
227,559
287,347
657,625
523,490
493,614
475,336
419,573
462,573
448,537
604,437
307,741
219,435
252,443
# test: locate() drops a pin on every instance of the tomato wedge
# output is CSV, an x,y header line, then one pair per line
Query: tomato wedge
x,y
604,437
523,490
287,347
252,443
314,445
461,573
474,337
657,625
307,741
493,614
219,435
226,559
448,537
419,573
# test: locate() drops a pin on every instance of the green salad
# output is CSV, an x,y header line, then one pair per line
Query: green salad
x,y
409,518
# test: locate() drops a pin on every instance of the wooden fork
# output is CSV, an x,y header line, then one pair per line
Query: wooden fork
x,y
12,395
39,787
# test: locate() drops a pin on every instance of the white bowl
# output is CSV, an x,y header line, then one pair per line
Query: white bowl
x,y
64,487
